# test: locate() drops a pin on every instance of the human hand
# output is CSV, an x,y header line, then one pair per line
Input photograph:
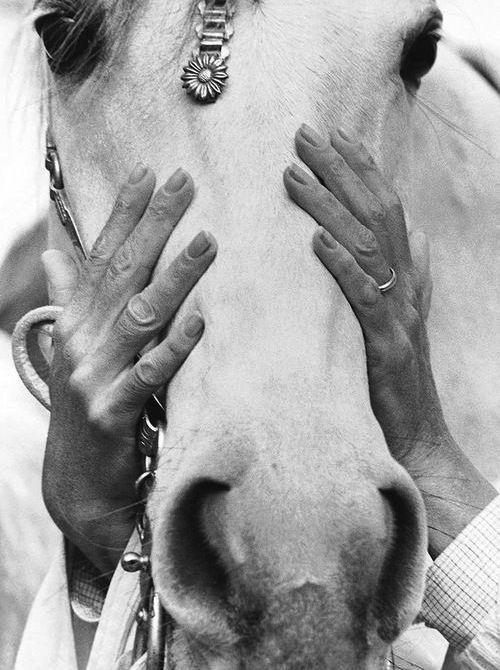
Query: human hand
x,y
98,388
362,235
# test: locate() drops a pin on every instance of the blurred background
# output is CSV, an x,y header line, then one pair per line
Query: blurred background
x,y
476,21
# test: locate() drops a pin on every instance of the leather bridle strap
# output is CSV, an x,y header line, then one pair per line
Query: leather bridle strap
x,y
153,622
58,197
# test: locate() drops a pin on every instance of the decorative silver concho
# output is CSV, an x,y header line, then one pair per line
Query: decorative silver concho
x,y
205,77
206,73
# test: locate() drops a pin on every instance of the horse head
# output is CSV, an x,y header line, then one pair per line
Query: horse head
x,y
284,534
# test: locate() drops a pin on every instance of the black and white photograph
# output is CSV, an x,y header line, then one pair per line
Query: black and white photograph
x,y
249,335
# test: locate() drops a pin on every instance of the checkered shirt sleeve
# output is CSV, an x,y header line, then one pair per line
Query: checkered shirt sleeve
x,y
87,586
463,584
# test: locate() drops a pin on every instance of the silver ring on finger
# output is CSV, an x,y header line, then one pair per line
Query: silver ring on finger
x,y
390,283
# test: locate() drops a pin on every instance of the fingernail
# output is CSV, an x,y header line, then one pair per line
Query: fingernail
x,y
299,175
137,174
194,325
345,135
312,136
199,245
327,239
176,181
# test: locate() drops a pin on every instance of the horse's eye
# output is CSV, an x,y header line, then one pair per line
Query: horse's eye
x,y
72,45
420,55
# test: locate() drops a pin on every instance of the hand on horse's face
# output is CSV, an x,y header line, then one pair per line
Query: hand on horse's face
x,y
362,236
111,312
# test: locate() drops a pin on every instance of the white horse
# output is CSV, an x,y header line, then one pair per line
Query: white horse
x,y
278,513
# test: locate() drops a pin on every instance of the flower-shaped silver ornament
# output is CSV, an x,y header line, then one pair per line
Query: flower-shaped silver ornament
x,y
205,77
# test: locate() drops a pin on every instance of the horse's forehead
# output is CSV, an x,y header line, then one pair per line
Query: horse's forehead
x,y
359,14
326,63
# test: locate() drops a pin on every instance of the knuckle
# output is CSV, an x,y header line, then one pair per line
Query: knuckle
x,y
147,373
99,254
347,264
369,294
124,203
123,261
80,383
335,164
140,312
166,206
377,214
99,417
176,347
158,208
368,245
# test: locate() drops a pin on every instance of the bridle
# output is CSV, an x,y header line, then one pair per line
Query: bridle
x,y
154,625
204,78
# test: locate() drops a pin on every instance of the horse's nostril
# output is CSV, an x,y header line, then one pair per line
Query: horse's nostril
x,y
194,558
188,563
401,581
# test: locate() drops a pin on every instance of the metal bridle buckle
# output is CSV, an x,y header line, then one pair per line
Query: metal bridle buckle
x,y
153,623
58,197
53,165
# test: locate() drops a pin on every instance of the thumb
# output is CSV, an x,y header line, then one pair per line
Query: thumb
x,y
420,253
62,276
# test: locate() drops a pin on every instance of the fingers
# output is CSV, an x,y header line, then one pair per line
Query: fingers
x,y
360,289
330,166
324,207
349,172
130,204
132,264
361,162
62,276
148,312
138,255
158,366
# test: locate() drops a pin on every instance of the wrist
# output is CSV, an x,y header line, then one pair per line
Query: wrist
x,y
410,414
453,490
99,529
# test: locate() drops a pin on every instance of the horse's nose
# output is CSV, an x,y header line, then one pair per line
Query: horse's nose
x,y
194,543
237,531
